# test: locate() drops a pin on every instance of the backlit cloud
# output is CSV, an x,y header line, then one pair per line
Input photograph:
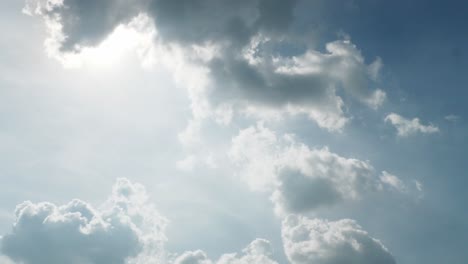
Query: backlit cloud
x,y
243,51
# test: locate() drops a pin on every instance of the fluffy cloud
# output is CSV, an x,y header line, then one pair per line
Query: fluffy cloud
x,y
125,229
303,84
407,127
245,51
326,242
193,257
301,179
258,251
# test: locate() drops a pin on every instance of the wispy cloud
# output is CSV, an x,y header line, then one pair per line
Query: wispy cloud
x,y
407,127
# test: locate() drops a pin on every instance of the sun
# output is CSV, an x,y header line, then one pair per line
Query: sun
x,y
135,38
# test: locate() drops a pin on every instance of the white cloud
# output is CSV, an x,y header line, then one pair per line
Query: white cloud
x,y
406,127
258,251
299,178
125,229
392,181
193,257
325,242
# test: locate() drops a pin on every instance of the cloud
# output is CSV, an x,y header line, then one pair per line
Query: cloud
x,y
300,179
326,242
127,229
5,260
452,118
193,257
75,24
406,127
255,59
122,230
258,251
392,181
303,84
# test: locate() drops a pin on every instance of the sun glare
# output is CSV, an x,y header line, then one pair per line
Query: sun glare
x,y
133,39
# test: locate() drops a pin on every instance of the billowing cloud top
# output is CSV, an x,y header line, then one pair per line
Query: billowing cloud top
x,y
325,242
125,229
258,251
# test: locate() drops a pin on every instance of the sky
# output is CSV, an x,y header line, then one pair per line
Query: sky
x,y
233,132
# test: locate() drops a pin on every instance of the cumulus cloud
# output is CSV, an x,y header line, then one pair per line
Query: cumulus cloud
x,y
407,127
125,229
244,48
258,251
326,242
193,257
300,178
303,84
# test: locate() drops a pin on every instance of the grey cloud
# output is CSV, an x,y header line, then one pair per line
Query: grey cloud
x,y
308,82
197,21
297,192
326,242
84,22
251,65
76,233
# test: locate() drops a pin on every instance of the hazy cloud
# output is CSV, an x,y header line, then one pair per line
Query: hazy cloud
x,y
452,118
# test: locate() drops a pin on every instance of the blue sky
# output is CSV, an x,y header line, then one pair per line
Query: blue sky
x,y
241,132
